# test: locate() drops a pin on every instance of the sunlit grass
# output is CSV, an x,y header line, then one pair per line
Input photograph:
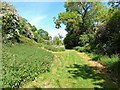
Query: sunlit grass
x,y
69,70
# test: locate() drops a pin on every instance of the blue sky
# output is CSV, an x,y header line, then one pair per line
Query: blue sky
x,y
41,14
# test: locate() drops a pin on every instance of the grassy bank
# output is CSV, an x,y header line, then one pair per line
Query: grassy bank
x,y
22,63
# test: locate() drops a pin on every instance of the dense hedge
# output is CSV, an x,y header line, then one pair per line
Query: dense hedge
x,y
22,63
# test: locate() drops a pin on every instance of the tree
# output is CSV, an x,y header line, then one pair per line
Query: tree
x,y
44,34
56,40
115,4
33,28
80,17
107,35
10,26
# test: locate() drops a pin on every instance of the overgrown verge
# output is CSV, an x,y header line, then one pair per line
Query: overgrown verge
x,y
54,48
22,63
111,62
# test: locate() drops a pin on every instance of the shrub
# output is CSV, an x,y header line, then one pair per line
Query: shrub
x,y
115,68
112,63
94,56
22,63
80,49
108,61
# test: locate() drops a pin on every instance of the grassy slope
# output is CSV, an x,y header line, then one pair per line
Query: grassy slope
x,y
69,70
23,62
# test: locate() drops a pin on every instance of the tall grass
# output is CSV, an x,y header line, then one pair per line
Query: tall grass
x,y
112,62
108,61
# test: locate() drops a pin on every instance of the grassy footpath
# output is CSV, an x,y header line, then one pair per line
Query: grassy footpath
x,y
70,70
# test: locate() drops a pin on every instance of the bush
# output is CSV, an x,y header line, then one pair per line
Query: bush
x,y
108,61
70,41
22,63
85,48
79,49
112,63
94,56
115,68
54,48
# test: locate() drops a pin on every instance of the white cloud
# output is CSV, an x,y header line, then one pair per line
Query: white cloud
x,y
37,19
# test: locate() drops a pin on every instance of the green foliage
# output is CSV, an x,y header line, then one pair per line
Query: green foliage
x,y
13,26
38,38
34,28
115,69
10,25
22,63
80,18
6,7
86,38
70,41
68,19
80,49
107,38
94,57
112,63
109,60
56,40
43,34
85,48
54,48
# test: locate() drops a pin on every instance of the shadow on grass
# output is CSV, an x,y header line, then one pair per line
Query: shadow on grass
x,y
88,72
85,72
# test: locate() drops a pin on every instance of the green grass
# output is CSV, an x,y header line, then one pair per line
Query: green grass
x,y
113,64
54,48
69,70
29,41
22,63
